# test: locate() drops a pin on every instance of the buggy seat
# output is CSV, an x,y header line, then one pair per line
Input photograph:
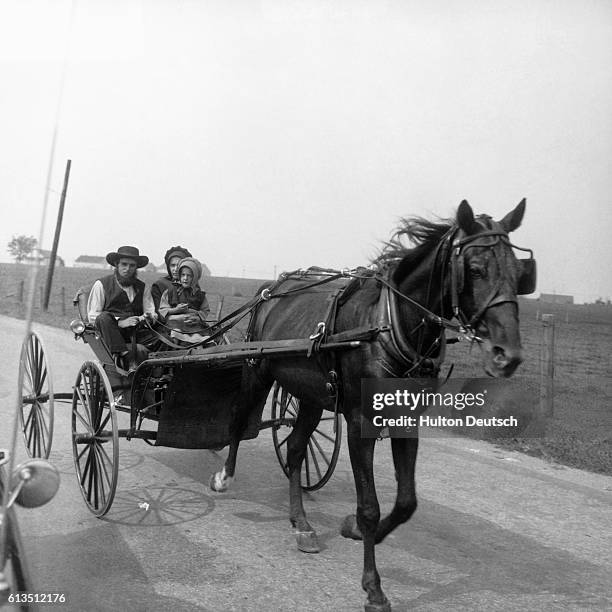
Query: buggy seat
x,y
92,337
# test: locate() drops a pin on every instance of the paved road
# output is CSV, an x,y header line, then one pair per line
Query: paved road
x,y
494,530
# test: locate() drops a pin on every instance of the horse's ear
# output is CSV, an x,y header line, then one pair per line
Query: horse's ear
x,y
513,219
465,218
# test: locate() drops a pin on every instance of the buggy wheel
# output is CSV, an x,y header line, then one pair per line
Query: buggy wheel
x,y
35,397
323,446
95,437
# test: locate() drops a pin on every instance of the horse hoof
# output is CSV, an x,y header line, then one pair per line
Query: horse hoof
x,y
217,483
307,541
380,607
349,528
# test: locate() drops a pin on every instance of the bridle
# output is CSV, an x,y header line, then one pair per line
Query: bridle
x,y
451,251
460,244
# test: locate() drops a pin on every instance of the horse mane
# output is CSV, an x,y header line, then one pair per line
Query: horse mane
x,y
413,240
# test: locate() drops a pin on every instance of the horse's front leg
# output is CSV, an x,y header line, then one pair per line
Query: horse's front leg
x,y
308,418
365,523
404,459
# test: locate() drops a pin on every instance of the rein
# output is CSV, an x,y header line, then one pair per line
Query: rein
x,y
449,251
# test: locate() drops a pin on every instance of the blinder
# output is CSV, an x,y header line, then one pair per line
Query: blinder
x,y
528,277
458,272
526,282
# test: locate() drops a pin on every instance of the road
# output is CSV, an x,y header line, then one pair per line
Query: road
x,y
494,530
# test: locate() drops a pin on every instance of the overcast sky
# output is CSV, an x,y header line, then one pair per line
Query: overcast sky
x,y
283,133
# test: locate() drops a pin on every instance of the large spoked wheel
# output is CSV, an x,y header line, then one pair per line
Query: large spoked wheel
x,y
95,437
36,398
323,447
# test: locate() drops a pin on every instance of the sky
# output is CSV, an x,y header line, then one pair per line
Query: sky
x,y
276,134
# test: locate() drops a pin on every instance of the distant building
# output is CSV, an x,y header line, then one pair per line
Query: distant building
x,y
43,258
556,298
91,261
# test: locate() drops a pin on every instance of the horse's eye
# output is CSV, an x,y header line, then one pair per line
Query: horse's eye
x,y
476,272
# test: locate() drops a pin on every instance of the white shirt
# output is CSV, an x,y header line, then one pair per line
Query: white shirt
x,y
95,303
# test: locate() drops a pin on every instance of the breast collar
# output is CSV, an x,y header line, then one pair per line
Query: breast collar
x,y
400,358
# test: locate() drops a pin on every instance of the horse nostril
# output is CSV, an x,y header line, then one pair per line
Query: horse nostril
x,y
503,358
499,355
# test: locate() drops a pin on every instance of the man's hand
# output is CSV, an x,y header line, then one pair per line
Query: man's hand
x,y
129,322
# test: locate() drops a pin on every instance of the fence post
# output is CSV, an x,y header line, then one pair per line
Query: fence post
x,y
547,366
41,296
21,285
63,298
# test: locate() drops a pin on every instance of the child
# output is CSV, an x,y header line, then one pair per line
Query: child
x,y
185,307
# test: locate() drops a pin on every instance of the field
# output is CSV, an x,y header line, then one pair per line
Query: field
x,y
579,434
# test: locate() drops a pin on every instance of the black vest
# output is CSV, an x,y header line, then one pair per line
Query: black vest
x,y
116,300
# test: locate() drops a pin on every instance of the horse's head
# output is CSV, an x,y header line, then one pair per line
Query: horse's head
x,y
486,278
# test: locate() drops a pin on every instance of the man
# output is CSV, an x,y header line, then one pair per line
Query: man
x,y
165,283
119,302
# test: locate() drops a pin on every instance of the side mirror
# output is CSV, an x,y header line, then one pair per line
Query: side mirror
x,y
34,483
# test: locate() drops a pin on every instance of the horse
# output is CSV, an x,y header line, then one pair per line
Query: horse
x,y
464,267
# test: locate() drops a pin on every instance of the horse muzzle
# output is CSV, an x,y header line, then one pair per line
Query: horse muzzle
x,y
500,361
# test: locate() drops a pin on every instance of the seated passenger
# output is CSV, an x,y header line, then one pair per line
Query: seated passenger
x,y
118,302
172,257
185,308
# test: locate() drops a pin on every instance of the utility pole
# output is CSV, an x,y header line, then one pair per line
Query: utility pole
x,y
58,229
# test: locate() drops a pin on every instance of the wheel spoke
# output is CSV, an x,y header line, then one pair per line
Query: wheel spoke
x,y
43,379
314,459
87,401
86,468
28,422
102,451
36,362
104,422
44,423
80,455
326,436
101,460
321,451
85,404
31,431
100,470
284,441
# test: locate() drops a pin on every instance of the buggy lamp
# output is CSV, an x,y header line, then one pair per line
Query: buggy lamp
x,y
77,326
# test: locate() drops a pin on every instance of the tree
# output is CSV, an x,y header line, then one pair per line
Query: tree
x,y
21,246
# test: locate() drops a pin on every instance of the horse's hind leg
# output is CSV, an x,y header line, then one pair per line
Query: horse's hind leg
x,y
253,394
404,459
220,481
308,418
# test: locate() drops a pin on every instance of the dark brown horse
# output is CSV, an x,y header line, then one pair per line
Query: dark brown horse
x,y
463,267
